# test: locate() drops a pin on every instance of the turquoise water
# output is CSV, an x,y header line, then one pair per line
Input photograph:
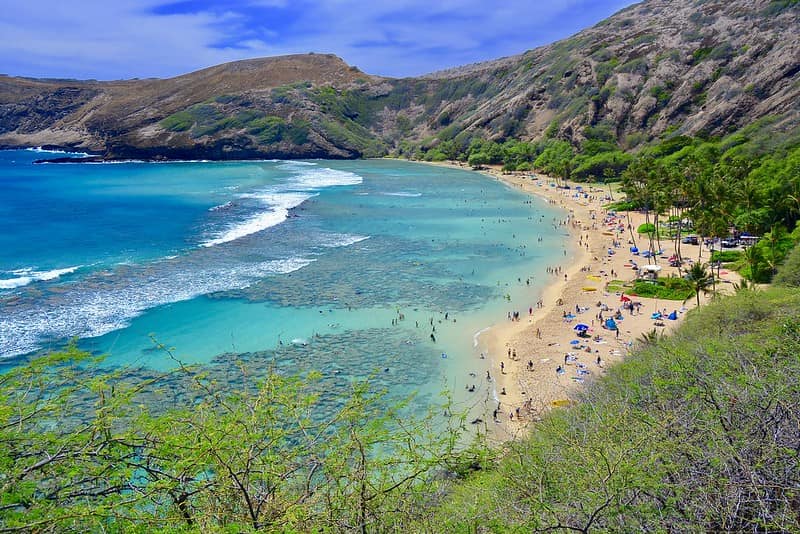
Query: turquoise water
x,y
341,266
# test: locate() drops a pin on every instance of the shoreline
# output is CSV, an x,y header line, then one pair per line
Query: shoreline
x,y
544,339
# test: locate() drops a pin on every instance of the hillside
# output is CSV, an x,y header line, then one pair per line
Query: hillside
x,y
126,118
661,67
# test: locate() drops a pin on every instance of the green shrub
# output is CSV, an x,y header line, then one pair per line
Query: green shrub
x,y
789,271
646,228
178,122
268,129
298,131
726,256
672,288
701,53
622,205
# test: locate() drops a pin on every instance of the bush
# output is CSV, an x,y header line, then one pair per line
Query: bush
x,y
178,122
672,288
789,272
622,205
726,256
646,228
268,129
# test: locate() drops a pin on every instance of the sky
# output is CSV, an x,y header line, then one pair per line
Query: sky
x,y
120,39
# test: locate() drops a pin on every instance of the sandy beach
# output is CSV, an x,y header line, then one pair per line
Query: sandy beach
x,y
538,361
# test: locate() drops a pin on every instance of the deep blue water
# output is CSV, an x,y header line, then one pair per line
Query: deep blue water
x,y
230,258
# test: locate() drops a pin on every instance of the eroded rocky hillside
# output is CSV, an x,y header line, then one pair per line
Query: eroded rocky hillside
x,y
661,67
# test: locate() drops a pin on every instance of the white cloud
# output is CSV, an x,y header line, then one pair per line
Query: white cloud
x,y
123,38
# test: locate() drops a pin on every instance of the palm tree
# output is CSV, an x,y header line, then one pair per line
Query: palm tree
x,y
744,285
608,174
699,279
650,338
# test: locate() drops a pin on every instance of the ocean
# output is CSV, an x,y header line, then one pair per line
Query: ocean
x,y
379,268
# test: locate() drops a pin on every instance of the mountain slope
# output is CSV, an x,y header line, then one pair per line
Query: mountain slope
x,y
694,67
662,67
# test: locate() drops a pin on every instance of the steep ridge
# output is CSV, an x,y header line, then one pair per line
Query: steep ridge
x,y
701,67
121,118
658,68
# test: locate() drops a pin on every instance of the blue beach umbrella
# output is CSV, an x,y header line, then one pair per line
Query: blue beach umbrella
x,y
581,327
574,342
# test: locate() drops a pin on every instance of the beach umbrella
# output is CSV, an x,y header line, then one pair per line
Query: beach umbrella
x,y
574,342
581,327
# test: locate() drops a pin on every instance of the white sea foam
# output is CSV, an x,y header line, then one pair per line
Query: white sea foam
x,y
28,275
477,335
293,165
324,177
278,206
228,204
11,283
341,240
100,308
402,194
40,150
307,178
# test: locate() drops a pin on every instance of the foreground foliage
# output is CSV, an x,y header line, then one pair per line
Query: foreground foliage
x,y
84,452
696,432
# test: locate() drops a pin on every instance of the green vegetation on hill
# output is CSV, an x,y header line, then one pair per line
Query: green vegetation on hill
x,y
696,432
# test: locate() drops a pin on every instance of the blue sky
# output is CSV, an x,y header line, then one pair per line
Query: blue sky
x,y
112,39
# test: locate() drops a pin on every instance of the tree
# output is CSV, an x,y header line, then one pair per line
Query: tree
x,y
85,449
608,175
699,279
555,158
478,160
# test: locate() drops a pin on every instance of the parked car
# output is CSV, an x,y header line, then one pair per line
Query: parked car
x,y
689,240
729,243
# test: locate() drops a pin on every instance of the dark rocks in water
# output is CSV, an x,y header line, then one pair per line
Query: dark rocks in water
x,y
82,159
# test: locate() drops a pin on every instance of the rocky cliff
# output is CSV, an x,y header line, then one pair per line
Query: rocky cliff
x,y
661,67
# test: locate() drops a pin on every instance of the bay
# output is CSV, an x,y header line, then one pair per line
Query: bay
x,y
380,268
